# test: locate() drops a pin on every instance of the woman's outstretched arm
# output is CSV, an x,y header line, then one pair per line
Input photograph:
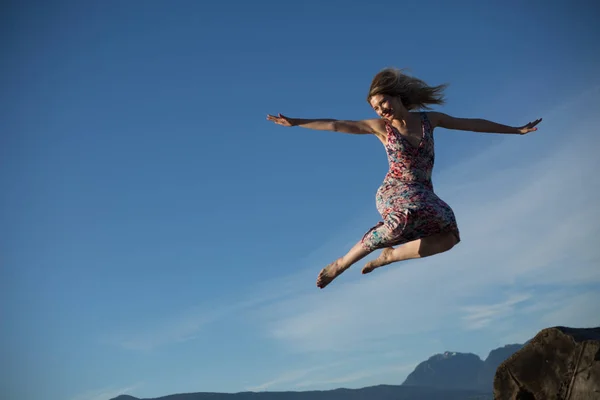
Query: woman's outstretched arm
x,y
479,125
368,126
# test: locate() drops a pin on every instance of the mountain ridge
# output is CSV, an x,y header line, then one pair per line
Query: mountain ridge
x,y
379,392
449,375
460,370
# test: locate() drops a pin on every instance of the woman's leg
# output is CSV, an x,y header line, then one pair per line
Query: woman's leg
x,y
333,270
383,236
420,248
380,236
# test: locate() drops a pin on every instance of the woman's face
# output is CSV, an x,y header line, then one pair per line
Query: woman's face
x,y
387,107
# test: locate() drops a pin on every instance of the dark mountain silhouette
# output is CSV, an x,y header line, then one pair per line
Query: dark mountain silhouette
x,y
381,392
449,370
453,370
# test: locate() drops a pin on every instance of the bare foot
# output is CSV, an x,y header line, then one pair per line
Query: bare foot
x,y
328,274
384,258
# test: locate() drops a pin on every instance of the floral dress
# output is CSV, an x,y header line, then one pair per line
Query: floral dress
x,y
406,200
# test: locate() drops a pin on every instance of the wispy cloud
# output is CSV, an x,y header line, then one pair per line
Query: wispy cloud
x,y
285,378
581,310
322,376
292,376
480,316
106,393
177,329
185,325
356,376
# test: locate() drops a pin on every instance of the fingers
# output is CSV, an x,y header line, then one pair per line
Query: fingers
x,y
279,119
530,127
274,118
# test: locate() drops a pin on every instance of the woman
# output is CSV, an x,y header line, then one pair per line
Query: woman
x,y
413,215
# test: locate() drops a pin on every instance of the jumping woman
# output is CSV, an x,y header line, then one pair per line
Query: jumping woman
x,y
415,219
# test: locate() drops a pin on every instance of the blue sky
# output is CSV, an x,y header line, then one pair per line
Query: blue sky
x,y
160,236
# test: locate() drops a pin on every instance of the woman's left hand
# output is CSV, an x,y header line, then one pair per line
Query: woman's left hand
x,y
530,127
281,120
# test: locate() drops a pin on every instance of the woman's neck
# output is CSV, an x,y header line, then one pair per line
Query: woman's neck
x,y
402,117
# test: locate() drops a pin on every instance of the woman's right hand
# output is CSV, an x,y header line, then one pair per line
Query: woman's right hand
x,y
281,120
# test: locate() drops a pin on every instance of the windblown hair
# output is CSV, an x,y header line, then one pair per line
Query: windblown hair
x,y
413,92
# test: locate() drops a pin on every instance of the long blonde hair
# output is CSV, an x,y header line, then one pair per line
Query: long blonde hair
x,y
413,92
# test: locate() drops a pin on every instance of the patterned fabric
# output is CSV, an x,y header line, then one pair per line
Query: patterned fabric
x,y
406,200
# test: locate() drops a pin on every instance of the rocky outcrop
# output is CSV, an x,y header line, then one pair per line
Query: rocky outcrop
x,y
558,363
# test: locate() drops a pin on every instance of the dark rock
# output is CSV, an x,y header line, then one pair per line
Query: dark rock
x,y
558,363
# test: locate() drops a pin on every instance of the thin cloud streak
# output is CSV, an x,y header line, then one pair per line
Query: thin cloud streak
x,y
481,316
106,393
291,376
357,376
580,311
186,325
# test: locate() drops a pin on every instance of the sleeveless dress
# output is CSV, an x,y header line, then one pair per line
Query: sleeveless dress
x,y
406,200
